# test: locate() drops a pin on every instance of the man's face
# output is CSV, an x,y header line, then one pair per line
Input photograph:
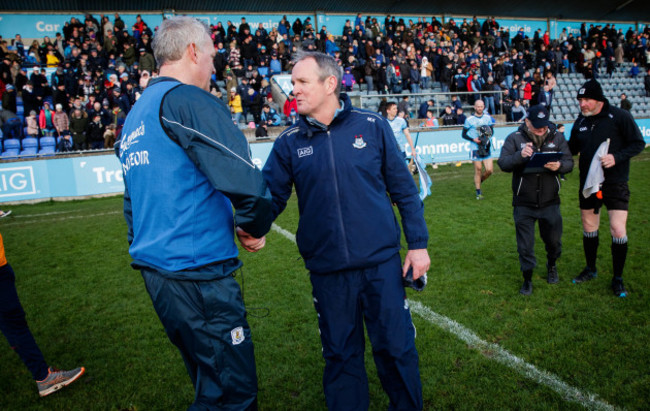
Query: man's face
x,y
479,106
392,111
205,54
537,131
309,90
589,106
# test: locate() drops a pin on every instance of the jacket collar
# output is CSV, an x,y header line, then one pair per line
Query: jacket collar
x,y
309,125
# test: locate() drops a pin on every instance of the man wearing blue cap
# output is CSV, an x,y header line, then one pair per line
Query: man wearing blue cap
x,y
536,190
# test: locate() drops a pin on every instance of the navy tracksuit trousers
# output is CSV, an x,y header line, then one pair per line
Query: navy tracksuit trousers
x,y
343,301
14,325
206,321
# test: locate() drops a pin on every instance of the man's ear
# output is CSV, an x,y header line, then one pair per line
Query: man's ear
x,y
331,84
192,52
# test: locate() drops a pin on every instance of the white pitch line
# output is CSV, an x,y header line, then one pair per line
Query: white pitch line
x,y
496,352
44,214
284,232
501,355
41,221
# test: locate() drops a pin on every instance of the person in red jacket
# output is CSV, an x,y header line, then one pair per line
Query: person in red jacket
x,y
290,109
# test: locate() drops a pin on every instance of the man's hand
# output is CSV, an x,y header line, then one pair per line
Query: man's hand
x,y
552,165
608,161
418,260
249,242
477,140
527,151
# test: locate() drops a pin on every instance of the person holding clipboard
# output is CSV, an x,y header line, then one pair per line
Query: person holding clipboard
x,y
536,154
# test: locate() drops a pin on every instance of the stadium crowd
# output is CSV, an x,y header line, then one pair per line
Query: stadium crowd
x,y
101,67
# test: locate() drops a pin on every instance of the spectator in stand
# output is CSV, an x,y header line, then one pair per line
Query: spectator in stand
x,y
32,124
234,102
270,117
424,107
460,117
646,82
95,132
121,100
9,99
146,61
30,99
60,121
404,106
78,125
448,117
290,109
348,80
65,144
626,104
45,119
431,121
517,113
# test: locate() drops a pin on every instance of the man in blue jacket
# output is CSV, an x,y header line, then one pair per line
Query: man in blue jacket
x,y
348,172
185,167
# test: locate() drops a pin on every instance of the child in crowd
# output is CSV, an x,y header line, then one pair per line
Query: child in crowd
x,y
32,124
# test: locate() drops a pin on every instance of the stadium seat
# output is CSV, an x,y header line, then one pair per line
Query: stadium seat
x,y
47,150
47,142
29,152
12,144
29,143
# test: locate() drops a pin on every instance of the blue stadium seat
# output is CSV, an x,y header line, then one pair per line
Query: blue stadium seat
x,y
29,152
47,151
10,153
12,144
47,142
30,142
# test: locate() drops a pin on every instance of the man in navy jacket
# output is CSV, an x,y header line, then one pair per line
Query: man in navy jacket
x,y
348,172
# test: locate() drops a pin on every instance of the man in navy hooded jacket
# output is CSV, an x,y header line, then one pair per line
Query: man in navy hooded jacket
x,y
348,171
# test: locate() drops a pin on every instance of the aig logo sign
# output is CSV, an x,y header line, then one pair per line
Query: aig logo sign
x,y
16,181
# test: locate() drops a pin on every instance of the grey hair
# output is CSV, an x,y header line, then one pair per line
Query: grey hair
x,y
327,66
174,35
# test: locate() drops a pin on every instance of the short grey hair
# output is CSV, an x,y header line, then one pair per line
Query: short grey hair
x,y
174,35
327,66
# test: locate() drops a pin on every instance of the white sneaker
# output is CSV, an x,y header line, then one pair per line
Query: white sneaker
x,y
4,214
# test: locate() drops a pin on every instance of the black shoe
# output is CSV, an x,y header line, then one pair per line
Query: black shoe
x,y
619,288
526,288
552,277
585,275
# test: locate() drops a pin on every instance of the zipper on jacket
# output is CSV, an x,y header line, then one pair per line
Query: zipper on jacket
x,y
559,185
521,180
338,198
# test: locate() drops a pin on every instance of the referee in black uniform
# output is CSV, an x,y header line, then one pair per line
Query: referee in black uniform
x,y
597,122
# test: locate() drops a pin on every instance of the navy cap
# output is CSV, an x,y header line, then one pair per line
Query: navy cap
x,y
538,116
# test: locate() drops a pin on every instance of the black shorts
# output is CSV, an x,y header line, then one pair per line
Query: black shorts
x,y
616,196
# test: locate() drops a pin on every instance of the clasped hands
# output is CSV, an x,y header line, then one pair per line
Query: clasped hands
x,y
249,242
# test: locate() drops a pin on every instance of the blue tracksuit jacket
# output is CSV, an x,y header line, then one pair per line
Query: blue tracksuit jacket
x,y
346,175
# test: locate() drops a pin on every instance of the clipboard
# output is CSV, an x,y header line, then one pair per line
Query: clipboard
x,y
539,159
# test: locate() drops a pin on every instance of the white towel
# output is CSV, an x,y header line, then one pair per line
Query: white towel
x,y
596,174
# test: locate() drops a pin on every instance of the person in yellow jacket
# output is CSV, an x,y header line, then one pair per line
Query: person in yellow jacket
x,y
14,326
234,101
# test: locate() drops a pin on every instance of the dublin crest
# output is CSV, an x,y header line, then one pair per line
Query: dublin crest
x,y
358,142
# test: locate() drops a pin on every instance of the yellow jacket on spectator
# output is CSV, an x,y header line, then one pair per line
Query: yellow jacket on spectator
x,y
235,103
